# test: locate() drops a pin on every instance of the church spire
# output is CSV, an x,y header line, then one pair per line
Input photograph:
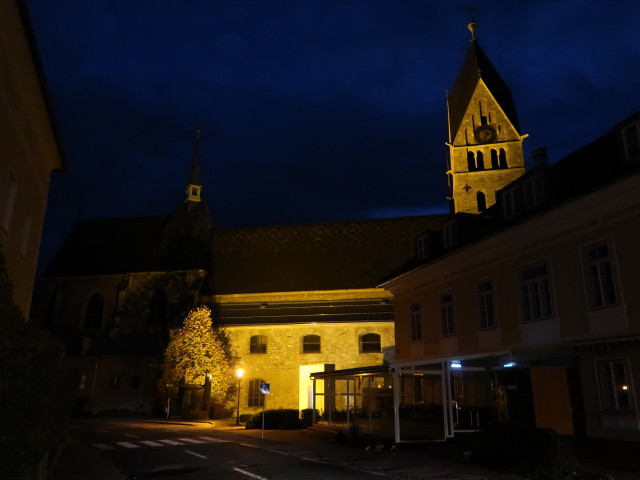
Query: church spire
x,y
194,187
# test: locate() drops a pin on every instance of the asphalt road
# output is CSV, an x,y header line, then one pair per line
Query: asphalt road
x,y
175,452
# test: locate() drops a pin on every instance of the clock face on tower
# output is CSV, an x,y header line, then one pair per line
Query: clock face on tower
x,y
485,134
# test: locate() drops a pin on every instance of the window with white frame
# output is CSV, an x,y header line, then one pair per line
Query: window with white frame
x,y
631,141
486,306
416,321
449,234
533,192
422,247
599,275
535,288
614,382
512,202
446,314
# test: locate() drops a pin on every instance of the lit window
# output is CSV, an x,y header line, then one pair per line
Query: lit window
x,y
311,344
536,293
255,396
615,386
486,308
94,311
416,322
258,344
370,343
446,314
599,275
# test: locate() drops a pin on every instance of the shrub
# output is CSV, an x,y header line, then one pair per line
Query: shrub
x,y
281,419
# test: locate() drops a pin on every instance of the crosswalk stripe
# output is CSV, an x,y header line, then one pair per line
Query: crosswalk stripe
x,y
212,439
103,446
190,440
128,445
151,443
171,442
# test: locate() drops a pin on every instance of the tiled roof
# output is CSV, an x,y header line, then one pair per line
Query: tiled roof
x,y
326,256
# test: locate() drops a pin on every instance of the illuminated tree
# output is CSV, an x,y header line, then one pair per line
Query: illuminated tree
x,y
199,355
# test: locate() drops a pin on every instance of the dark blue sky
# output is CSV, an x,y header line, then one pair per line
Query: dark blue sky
x,y
310,110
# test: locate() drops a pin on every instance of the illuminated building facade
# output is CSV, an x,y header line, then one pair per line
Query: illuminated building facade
x,y
29,153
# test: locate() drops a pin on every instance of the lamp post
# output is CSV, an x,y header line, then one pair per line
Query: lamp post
x,y
239,374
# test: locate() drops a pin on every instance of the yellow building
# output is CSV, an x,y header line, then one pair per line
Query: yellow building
x,y
29,152
485,143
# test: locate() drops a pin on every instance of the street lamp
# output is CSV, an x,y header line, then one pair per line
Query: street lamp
x,y
239,374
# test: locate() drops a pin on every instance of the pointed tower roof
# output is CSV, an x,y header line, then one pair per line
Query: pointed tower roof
x,y
476,66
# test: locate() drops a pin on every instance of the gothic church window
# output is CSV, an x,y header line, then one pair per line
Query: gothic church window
x,y
370,343
479,161
258,344
482,201
93,312
502,159
256,397
471,161
494,159
311,344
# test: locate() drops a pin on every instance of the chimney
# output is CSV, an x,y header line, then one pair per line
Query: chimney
x,y
540,157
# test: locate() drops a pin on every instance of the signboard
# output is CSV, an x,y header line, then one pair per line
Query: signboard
x,y
265,388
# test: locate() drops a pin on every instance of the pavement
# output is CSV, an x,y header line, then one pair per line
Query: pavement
x,y
603,460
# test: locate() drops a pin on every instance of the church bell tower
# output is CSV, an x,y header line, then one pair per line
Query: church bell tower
x,y
485,143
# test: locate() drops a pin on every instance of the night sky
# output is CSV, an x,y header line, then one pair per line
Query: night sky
x,y
310,110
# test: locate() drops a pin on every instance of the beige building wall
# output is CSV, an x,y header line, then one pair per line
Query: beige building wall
x,y
29,155
556,237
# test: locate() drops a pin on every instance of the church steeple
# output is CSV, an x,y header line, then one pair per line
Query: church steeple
x,y
194,187
485,144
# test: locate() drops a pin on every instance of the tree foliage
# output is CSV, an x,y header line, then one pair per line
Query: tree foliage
x,y
197,350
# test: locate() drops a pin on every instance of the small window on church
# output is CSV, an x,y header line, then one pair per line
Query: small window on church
x,y
502,159
494,159
471,161
479,161
482,201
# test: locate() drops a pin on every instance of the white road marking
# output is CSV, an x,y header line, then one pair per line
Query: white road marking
x,y
249,474
133,436
213,439
128,445
103,446
151,443
196,454
190,440
171,442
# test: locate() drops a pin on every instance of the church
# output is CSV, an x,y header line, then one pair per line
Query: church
x,y
515,308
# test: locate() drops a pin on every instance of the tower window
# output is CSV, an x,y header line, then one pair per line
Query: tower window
x,y
494,159
502,159
479,161
471,161
482,201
